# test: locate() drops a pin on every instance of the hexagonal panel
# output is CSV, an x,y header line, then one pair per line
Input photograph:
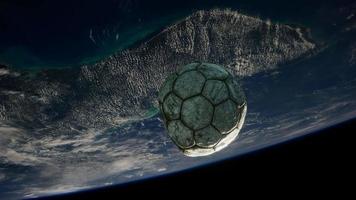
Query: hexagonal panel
x,y
180,134
216,91
189,67
236,92
212,71
166,87
171,106
189,84
197,112
226,116
207,137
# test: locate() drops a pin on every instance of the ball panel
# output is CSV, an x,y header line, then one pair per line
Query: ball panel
x,y
226,116
236,92
212,71
207,137
216,91
189,84
166,87
197,112
171,106
198,151
180,134
189,67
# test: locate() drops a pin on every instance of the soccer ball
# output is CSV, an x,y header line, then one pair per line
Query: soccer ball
x,y
203,108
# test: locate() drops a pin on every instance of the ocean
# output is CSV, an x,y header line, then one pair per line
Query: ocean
x,y
55,34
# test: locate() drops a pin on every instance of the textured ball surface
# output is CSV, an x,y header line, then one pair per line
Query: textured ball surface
x,y
203,108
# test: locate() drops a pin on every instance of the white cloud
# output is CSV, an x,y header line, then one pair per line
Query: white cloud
x,y
20,158
4,72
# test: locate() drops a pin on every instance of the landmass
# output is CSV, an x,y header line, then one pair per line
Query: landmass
x,y
124,86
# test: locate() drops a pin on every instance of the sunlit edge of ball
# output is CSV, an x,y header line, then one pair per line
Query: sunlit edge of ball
x,y
230,137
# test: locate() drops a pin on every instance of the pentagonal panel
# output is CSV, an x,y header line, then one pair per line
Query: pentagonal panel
x,y
171,106
226,116
236,92
189,67
207,137
212,71
180,134
197,112
189,84
166,87
216,91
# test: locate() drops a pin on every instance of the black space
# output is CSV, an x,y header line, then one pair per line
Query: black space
x,y
323,160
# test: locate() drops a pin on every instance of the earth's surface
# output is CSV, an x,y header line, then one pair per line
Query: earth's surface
x,y
78,95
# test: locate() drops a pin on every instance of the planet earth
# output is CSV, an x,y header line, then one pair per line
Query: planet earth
x,y
79,93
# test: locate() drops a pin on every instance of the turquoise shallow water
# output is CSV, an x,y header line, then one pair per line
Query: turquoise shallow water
x,y
62,34
49,34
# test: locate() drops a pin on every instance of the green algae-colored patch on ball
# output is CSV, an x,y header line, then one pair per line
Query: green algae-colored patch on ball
x,y
189,84
226,116
197,112
166,87
216,91
212,71
180,134
171,106
207,137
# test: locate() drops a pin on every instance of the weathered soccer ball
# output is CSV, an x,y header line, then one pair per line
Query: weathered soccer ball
x,y
203,108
